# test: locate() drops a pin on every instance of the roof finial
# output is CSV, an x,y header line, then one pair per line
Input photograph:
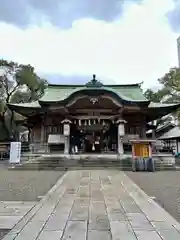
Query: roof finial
x,y
94,82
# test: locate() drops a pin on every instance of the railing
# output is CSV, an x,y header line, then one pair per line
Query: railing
x,y
4,150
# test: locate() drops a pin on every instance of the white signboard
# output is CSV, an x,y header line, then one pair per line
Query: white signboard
x,y
55,138
121,129
15,152
66,129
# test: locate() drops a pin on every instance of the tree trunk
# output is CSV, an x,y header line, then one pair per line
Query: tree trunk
x,y
14,128
4,126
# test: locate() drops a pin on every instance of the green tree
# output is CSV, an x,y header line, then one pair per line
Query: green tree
x,y
158,97
18,83
169,91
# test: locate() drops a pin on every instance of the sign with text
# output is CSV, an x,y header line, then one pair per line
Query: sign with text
x,y
66,129
121,129
15,152
141,149
55,139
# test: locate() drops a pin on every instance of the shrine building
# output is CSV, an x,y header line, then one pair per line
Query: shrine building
x,y
100,118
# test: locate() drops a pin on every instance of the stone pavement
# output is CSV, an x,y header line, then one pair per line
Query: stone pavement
x,y
12,211
96,204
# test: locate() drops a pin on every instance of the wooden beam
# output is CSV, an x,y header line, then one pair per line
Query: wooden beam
x,y
85,117
93,110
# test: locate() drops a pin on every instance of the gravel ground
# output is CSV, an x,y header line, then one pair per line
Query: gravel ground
x,y
26,185
165,186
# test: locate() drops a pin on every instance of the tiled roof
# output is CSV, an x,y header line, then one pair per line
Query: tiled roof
x,y
161,105
130,93
34,104
172,133
57,93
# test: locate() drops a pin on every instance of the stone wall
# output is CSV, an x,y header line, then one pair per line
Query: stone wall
x,y
168,159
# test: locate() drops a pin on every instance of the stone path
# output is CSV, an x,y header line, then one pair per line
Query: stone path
x,y
12,212
99,204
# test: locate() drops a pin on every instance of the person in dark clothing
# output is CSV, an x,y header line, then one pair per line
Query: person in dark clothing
x,y
75,143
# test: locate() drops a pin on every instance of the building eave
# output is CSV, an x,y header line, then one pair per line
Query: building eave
x,y
25,109
173,133
105,85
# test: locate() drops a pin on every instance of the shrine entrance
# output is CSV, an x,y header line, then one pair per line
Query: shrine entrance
x,y
92,142
94,138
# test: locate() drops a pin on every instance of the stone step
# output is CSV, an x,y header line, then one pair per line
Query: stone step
x,y
160,167
60,163
69,164
70,168
56,167
73,165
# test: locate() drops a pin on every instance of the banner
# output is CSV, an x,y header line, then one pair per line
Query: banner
x,y
15,152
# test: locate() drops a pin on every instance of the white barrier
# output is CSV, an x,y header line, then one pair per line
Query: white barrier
x,y
15,152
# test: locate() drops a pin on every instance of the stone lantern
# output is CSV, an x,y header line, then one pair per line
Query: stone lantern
x,y
121,133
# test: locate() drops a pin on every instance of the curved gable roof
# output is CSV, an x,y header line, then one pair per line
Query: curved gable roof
x,y
61,93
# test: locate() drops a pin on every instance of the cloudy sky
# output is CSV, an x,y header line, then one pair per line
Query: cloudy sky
x,y
121,41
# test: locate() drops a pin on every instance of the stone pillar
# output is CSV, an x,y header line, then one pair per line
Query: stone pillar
x,y
66,144
120,145
121,133
66,129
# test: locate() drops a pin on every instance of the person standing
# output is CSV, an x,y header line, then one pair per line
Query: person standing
x,y
76,143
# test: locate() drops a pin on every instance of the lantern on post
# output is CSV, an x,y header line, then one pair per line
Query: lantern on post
x,y
66,129
121,128
66,124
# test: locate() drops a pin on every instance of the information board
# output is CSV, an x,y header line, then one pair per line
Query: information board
x,y
66,130
141,150
15,152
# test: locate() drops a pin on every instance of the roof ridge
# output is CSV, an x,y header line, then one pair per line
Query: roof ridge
x,y
105,85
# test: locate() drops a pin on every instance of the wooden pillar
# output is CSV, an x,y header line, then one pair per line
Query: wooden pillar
x,y
153,133
42,133
178,145
29,134
143,129
42,142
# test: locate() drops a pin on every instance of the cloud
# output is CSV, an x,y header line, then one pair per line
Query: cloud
x,y
173,15
60,13
138,46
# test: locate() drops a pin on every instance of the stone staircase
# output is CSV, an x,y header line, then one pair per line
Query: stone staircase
x,y
63,163
85,162
164,162
160,166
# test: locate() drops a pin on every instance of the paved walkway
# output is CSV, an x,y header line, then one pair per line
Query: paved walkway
x,y
99,204
12,212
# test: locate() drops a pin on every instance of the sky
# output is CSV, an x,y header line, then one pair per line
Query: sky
x,y
67,41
